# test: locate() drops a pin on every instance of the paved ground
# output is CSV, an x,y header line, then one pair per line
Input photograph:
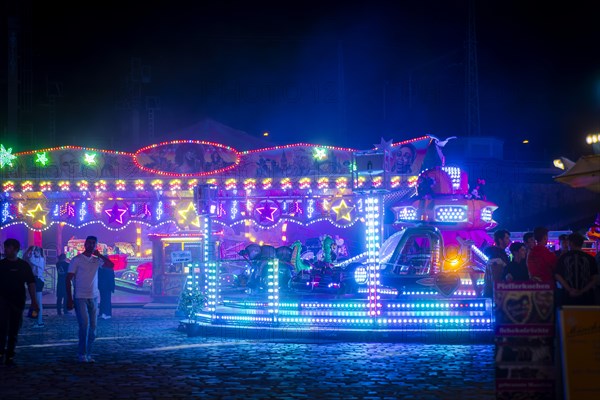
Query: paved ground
x,y
141,354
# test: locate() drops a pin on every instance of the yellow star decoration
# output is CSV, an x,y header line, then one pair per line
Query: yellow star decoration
x,y
38,208
185,218
342,211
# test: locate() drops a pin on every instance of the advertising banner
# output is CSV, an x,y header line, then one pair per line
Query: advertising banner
x,y
580,344
525,351
524,309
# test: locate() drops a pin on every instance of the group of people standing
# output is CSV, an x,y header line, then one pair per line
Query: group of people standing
x,y
79,284
571,271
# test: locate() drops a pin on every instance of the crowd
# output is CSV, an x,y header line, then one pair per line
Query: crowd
x,y
79,284
571,271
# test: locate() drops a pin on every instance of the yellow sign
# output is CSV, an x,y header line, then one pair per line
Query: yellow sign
x,y
580,343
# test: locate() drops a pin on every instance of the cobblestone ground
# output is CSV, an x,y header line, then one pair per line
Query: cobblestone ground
x,y
141,354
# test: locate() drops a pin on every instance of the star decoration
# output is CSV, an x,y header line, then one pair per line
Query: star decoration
x,y
90,158
383,145
320,153
115,214
41,159
6,156
186,219
267,213
33,214
342,211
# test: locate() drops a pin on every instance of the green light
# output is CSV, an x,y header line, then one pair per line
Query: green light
x,y
41,159
320,153
6,156
90,158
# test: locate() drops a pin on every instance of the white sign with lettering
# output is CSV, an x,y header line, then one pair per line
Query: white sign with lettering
x,y
181,256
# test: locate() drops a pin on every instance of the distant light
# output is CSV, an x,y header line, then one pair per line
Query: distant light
x,y
559,164
265,134
526,141
593,139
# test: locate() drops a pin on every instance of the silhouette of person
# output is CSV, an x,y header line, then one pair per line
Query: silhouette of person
x,y
14,274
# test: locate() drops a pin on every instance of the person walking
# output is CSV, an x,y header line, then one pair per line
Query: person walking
x,y
34,256
84,271
106,286
14,274
62,268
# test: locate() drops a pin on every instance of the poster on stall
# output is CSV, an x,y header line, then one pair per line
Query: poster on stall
x,y
524,309
580,344
525,353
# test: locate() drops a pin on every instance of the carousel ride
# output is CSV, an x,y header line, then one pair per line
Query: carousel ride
x,y
426,277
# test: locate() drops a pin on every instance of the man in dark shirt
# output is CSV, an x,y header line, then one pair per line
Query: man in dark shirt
x,y
563,245
14,274
529,241
497,260
577,273
516,270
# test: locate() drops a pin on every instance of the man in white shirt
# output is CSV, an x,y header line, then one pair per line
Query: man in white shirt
x,y
84,270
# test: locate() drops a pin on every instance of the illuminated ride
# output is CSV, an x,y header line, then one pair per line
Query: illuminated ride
x,y
426,277
287,237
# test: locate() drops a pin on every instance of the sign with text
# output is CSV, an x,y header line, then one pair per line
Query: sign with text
x,y
181,256
525,354
524,309
580,342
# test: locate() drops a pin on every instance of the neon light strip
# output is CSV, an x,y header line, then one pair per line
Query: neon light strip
x,y
25,153
89,223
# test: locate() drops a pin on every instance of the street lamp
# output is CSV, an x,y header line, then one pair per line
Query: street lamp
x,y
594,141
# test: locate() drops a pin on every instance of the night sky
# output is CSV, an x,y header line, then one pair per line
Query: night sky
x,y
321,73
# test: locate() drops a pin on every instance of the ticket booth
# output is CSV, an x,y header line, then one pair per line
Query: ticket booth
x,y
174,257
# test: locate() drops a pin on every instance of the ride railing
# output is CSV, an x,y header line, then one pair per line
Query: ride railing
x,y
273,308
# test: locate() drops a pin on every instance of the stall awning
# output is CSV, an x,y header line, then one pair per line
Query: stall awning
x,y
585,173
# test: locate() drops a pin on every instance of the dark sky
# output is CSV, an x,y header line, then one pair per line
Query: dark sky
x,y
316,72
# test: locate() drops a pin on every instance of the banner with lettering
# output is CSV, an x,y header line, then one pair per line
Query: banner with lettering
x,y
524,309
580,343
525,351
